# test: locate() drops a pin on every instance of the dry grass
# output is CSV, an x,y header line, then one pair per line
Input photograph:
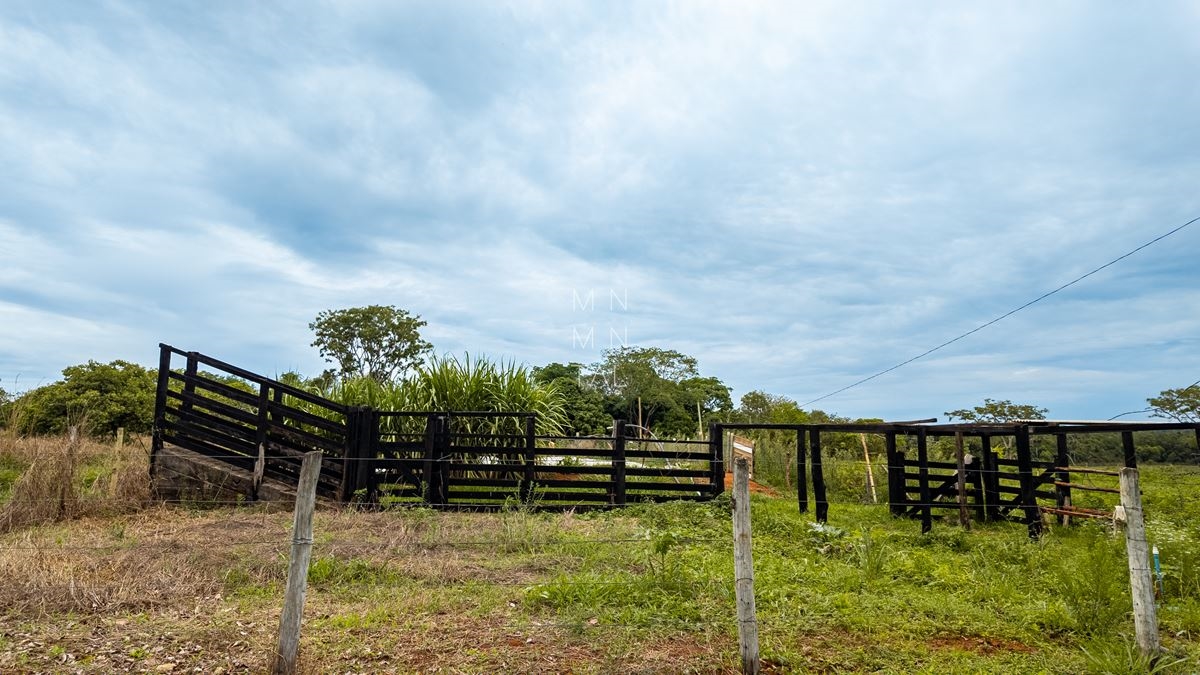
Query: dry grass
x,y
64,479
389,592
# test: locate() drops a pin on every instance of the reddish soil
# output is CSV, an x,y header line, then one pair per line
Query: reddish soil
x,y
979,645
756,488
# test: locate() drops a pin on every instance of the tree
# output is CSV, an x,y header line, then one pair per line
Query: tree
x,y
584,406
380,342
993,411
759,406
661,387
1182,404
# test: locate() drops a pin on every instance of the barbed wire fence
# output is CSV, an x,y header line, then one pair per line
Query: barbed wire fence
x,y
845,493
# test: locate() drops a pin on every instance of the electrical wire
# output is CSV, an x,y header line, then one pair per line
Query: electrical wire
x,y
1002,316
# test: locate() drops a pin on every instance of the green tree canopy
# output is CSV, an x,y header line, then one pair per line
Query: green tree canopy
x,y
99,396
664,384
759,406
1181,404
583,406
380,342
993,411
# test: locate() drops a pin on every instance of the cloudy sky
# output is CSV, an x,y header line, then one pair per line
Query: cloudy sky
x,y
798,194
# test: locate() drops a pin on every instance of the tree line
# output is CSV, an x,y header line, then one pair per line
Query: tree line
x,y
378,351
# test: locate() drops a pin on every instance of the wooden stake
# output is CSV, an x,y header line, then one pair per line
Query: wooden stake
x,y
1141,580
293,602
870,472
743,567
964,516
120,437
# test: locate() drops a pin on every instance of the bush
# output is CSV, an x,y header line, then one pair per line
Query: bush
x,y
100,397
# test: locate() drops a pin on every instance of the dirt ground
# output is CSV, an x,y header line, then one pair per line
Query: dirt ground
x,y
756,488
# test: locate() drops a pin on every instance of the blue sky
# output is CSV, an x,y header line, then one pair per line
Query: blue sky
x,y
798,194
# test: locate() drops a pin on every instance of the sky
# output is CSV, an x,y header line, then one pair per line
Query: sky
x,y
797,194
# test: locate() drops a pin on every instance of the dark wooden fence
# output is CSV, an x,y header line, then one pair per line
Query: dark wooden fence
x,y
440,459
995,488
1018,488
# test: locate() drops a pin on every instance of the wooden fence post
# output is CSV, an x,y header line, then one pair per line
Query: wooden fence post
x,y
895,475
716,449
189,382
445,440
1033,517
160,404
298,560
1130,449
618,464
1062,492
261,434
801,472
991,480
530,460
743,567
432,423
1141,581
818,474
923,477
964,515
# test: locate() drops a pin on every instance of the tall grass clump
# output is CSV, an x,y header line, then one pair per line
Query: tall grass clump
x,y
48,479
1094,583
447,384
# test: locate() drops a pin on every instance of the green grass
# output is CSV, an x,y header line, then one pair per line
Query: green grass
x,y
10,470
649,587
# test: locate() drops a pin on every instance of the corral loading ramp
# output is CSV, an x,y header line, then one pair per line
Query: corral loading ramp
x,y
459,459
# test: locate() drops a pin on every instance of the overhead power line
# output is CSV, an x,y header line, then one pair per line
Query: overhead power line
x,y
1003,316
1150,408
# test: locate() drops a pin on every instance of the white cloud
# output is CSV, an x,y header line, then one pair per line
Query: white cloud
x,y
799,195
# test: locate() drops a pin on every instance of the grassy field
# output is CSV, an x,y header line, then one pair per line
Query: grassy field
x,y
647,589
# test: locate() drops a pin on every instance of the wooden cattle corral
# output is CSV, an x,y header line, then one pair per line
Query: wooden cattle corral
x,y
261,427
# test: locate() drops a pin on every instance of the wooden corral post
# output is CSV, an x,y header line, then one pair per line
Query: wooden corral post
x,y
189,381
530,459
1062,492
991,479
618,464
964,515
1130,449
818,474
743,567
1033,517
160,404
870,472
120,438
895,473
923,474
432,428
1141,580
716,449
293,603
801,473
262,432
351,460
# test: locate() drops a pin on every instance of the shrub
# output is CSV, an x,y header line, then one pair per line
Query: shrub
x,y
101,397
